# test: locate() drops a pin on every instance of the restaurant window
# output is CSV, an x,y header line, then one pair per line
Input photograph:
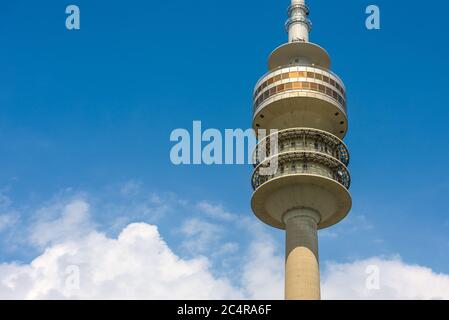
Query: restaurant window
x,y
335,95
294,74
296,85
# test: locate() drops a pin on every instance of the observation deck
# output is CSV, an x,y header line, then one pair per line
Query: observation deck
x,y
300,96
311,172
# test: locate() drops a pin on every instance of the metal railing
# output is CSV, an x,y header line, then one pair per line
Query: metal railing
x,y
305,163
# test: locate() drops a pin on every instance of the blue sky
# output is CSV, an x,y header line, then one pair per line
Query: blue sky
x,y
89,113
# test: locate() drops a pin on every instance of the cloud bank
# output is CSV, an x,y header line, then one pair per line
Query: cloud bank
x,y
80,262
396,281
136,265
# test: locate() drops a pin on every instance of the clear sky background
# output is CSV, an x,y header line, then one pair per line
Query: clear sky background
x,y
88,114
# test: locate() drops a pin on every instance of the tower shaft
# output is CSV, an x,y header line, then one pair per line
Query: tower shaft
x,y
302,275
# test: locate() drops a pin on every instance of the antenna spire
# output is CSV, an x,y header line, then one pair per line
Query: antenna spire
x,y
298,24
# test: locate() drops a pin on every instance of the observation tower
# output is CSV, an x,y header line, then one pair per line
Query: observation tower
x,y
302,98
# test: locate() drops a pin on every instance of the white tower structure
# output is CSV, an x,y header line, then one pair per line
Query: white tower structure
x,y
306,102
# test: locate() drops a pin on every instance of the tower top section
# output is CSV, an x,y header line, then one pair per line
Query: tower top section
x,y
298,50
298,24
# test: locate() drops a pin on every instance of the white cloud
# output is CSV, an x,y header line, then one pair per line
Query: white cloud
x,y
228,248
355,222
7,220
130,188
52,226
8,217
263,273
138,264
5,201
397,280
200,236
216,211
359,222
133,204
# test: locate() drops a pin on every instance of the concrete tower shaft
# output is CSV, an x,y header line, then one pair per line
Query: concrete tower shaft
x,y
302,279
306,102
